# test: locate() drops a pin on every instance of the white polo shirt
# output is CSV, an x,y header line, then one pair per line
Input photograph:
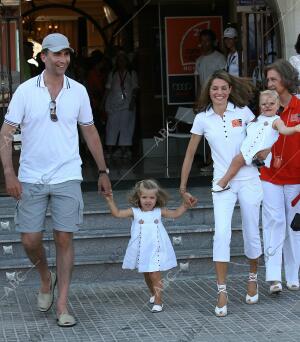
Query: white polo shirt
x,y
50,150
225,136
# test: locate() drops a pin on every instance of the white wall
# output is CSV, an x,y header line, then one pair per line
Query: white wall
x,y
289,23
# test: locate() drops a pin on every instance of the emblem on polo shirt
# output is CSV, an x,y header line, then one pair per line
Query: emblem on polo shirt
x,y
266,123
295,117
237,123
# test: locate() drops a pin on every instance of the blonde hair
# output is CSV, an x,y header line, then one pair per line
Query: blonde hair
x,y
148,184
269,93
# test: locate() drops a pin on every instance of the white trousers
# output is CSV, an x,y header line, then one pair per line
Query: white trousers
x,y
249,194
279,238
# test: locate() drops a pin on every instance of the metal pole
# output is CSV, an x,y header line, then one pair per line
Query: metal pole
x,y
161,77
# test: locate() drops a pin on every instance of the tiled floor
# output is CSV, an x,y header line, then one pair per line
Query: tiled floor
x,y
120,312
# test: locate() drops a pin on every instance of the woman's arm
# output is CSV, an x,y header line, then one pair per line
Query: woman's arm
x,y
186,167
120,213
283,129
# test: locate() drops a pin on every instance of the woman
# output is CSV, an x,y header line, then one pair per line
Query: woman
x,y
121,91
281,184
222,120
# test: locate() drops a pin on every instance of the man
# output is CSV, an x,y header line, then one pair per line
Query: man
x,y
230,42
48,108
281,184
211,59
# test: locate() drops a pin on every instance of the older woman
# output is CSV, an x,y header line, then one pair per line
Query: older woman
x,y
222,120
281,184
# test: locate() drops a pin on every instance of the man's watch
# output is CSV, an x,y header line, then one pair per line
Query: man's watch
x,y
100,172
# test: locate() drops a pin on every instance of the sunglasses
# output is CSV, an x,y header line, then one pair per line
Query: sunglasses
x,y
52,107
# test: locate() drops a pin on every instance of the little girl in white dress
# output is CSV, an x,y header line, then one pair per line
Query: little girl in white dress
x,y
261,134
149,249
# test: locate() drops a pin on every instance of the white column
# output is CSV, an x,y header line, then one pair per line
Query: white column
x,y
289,13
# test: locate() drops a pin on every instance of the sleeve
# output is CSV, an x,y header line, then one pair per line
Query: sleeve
x,y
134,80
196,67
16,109
85,116
109,81
249,116
198,125
293,61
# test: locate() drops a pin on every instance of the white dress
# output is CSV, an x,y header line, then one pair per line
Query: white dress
x,y
149,248
260,135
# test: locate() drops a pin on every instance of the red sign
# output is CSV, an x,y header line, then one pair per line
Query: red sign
x,y
182,41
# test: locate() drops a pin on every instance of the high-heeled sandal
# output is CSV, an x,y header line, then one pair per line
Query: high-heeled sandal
x,y
252,299
221,312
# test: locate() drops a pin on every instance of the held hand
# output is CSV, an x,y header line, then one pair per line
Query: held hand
x,y
13,186
262,155
104,186
189,200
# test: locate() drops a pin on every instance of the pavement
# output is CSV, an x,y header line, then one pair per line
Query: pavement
x,y
119,311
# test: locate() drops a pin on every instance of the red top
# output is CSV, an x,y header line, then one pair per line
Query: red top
x,y
287,148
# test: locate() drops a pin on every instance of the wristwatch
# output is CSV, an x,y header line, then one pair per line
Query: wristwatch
x,y
100,172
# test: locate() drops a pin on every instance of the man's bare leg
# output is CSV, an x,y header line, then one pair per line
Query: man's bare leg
x,y
64,267
237,162
33,245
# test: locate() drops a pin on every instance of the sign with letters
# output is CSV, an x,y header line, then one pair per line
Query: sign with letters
x,y
182,50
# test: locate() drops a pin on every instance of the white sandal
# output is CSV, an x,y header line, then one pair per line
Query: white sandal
x,y
252,299
152,299
221,312
276,288
157,308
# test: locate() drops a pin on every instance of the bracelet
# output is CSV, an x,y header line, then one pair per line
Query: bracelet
x,y
182,191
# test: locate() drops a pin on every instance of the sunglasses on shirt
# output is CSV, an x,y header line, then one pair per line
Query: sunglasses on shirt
x,y
52,107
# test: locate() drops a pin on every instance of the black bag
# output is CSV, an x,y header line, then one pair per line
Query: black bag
x,y
295,225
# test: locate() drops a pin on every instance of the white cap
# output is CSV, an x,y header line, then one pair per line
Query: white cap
x,y
230,32
56,42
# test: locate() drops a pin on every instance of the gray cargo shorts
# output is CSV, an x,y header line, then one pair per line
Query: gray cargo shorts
x,y
64,201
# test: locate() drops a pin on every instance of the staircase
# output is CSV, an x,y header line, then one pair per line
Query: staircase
x,y
102,240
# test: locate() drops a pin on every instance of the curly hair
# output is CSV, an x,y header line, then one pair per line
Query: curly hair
x,y
288,74
148,184
241,91
269,93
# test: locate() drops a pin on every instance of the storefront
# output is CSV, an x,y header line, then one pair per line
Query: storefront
x,y
266,32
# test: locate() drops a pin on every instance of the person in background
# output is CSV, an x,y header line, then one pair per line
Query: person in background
x,y
295,61
120,103
230,42
209,61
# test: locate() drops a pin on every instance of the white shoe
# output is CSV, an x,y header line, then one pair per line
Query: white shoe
x,y
45,300
292,287
221,312
157,308
275,288
218,188
252,299
151,300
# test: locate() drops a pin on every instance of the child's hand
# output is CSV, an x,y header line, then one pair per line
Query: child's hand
x,y
108,197
189,200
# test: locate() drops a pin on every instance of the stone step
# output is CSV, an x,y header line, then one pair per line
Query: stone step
x,y
190,262
102,219
114,242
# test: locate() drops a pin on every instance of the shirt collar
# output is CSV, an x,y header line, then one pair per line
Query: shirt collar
x,y
230,108
41,84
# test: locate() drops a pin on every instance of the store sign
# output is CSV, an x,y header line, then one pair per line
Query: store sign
x,y
182,51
